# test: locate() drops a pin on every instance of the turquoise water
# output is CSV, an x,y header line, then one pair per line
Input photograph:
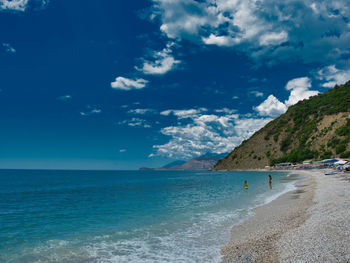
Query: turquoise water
x,y
126,216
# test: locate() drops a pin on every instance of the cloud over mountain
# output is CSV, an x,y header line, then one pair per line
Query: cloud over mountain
x,y
299,90
271,107
200,132
333,76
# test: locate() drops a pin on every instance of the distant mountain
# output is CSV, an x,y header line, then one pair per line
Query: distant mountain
x,y
200,163
205,162
172,164
317,128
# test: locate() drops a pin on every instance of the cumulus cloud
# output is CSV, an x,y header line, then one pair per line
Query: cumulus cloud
x,y
224,41
271,107
268,31
128,84
8,48
182,18
15,5
312,30
223,131
273,38
163,62
216,133
22,5
299,90
332,76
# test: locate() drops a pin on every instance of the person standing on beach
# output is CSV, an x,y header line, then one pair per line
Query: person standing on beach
x,y
270,181
245,184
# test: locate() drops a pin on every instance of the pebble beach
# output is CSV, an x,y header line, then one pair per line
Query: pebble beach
x,y
309,224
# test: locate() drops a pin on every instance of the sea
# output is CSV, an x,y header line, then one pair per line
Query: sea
x,y
127,216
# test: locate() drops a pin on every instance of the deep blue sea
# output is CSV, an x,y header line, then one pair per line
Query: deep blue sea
x,y
126,216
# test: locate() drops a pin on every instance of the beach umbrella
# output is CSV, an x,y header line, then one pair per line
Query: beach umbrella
x,y
329,160
341,162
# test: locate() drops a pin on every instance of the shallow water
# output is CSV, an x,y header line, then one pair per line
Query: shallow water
x,y
126,216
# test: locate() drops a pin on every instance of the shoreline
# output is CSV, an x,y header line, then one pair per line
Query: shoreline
x,y
288,228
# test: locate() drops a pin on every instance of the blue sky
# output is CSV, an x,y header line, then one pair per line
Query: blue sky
x,y
124,84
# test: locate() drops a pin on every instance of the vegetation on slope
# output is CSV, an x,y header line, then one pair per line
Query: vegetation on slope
x,y
316,128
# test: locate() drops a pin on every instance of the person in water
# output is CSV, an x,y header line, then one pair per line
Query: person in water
x,y
270,181
245,184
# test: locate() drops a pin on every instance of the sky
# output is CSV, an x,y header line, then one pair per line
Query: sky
x,y
114,84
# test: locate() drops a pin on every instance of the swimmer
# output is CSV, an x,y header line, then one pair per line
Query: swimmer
x,y
245,184
270,181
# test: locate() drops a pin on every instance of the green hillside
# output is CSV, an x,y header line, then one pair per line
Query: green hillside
x,y
316,128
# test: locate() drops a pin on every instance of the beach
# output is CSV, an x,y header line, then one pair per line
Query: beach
x,y
309,224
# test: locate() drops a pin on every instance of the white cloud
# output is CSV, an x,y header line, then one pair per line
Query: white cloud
x,y
333,76
166,112
92,110
22,5
183,114
267,31
8,48
271,107
181,18
304,83
122,150
225,110
257,93
246,127
14,5
224,41
96,111
299,90
128,84
222,132
311,30
163,62
142,111
135,122
273,38
216,133
199,21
